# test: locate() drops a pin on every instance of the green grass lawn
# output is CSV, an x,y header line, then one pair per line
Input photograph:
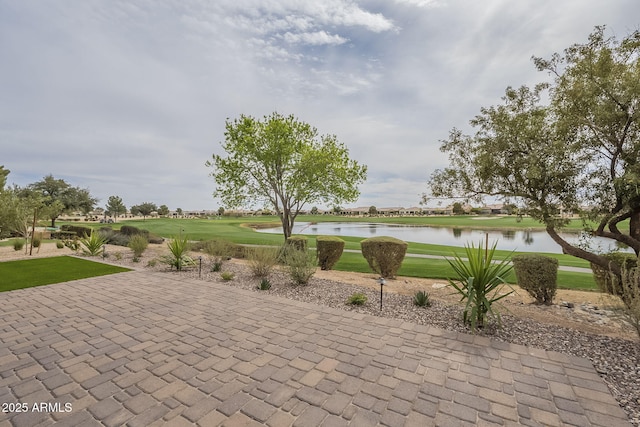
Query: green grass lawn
x,y
45,271
236,230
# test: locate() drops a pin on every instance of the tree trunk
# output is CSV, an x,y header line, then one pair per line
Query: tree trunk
x,y
567,248
286,223
634,226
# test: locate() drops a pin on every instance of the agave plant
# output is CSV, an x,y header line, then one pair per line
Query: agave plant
x,y
479,282
94,244
178,257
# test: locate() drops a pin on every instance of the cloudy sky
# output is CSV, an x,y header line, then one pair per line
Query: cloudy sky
x,y
130,97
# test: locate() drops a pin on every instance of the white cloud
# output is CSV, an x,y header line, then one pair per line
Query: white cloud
x,y
129,97
316,38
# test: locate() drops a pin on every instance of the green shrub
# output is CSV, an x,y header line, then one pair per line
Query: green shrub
x,y
129,230
329,250
178,258
119,239
18,245
357,299
264,285
226,276
297,242
479,282
154,238
384,254
118,255
78,229
216,266
421,299
262,260
152,263
59,245
631,296
138,244
93,245
538,275
36,241
608,282
300,264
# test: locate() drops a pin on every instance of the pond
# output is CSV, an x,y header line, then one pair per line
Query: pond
x,y
518,240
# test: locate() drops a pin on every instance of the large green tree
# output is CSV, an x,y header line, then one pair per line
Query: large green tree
x,y
580,152
115,207
284,163
60,197
144,209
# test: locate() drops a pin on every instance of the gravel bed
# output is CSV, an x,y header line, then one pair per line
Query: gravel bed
x,y
616,360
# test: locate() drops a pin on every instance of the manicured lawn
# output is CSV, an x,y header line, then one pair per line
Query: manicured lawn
x,y
236,230
45,271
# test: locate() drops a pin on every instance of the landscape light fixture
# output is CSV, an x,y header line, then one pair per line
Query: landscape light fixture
x,y
382,283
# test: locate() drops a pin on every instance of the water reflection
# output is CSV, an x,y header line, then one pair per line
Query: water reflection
x,y
519,240
509,234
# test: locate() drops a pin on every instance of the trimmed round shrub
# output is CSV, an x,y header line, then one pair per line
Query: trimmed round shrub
x,y
129,230
297,242
538,275
329,249
608,282
18,245
59,245
384,254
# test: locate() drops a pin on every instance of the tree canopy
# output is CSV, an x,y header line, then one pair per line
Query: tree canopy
x,y
115,207
60,197
284,163
578,153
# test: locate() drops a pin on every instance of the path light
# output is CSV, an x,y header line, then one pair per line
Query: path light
x,y
200,268
382,283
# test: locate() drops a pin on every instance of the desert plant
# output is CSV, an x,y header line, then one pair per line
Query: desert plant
x,y
18,245
357,298
537,274
93,244
178,258
329,250
384,254
262,260
118,255
216,266
479,282
226,276
300,264
59,245
72,244
138,244
264,285
36,241
421,299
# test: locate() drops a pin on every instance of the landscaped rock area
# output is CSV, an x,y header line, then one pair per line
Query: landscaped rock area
x,y
581,323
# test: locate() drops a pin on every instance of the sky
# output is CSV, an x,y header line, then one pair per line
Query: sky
x,y
130,97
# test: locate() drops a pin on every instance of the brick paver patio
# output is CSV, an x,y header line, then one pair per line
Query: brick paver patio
x,y
151,349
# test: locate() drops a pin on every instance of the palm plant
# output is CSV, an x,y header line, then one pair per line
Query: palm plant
x,y
479,281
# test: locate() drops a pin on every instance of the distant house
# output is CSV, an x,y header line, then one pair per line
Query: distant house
x,y
497,209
